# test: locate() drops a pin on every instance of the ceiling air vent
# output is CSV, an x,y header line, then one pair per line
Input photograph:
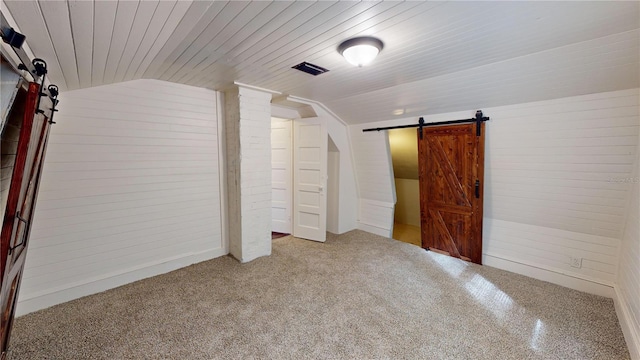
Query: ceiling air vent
x,y
310,68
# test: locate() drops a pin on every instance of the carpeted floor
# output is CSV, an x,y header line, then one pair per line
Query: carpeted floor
x,y
357,296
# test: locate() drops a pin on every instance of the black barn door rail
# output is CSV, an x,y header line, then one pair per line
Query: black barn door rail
x,y
478,120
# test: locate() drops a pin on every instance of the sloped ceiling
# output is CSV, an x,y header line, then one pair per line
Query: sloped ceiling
x,y
438,56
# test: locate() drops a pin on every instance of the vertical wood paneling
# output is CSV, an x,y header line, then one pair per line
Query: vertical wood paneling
x,y
218,24
258,38
139,29
323,51
183,19
125,16
599,65
223,42
192,25
552,181
131,180
81,17
165,18
56,16
102,31
172,28
522,51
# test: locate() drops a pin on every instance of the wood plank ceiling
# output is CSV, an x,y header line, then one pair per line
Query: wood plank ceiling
x,y
438,56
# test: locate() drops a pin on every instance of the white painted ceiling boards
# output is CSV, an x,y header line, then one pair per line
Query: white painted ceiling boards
x,y
438,56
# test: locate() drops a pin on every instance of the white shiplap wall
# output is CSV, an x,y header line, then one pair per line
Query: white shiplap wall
x,y
130,189
628,283
550,184
376,186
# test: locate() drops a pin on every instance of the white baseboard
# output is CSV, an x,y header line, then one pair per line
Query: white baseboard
x,y
629,328
50,297
374,229
571,281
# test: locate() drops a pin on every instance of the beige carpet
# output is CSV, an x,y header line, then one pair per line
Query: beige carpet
x,y
357,296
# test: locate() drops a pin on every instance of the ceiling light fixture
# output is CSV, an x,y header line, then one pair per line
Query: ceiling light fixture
x,y
360,51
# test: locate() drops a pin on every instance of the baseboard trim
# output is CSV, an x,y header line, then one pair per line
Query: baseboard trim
x,y
383,204
374,229
44,299
600,288
631,332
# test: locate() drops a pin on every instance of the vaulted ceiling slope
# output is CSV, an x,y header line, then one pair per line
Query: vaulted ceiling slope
x,y
438,56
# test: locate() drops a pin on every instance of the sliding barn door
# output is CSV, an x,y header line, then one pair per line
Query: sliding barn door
x,y
451,167
309,179
20,207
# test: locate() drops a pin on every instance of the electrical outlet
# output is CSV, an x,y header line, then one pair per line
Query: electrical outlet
x,y
575,262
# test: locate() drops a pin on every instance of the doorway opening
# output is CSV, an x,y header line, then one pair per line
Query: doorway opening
x,y
403,144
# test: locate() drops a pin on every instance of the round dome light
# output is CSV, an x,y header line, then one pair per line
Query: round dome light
x,y
360,51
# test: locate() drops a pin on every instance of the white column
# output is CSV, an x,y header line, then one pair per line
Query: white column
x,y
248,135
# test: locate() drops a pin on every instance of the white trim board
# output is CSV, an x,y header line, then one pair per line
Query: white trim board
x,y
579,283
257,88
109,281
222,165
374,229
631,334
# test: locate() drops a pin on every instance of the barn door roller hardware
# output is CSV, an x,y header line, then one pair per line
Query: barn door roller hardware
x,y
37,68
15,40
478,119
53,95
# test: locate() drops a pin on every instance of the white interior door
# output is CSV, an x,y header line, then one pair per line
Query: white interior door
x,y
281,182
309,179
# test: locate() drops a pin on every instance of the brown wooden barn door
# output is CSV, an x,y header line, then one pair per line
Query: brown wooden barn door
x,y
20,206
451,170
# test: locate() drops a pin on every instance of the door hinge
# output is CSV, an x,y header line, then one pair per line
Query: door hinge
x,y
477,189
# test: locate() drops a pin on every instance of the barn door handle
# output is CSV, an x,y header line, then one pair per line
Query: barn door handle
x,y
477,189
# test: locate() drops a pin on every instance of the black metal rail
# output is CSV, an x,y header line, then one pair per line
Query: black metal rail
x,y
478,119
